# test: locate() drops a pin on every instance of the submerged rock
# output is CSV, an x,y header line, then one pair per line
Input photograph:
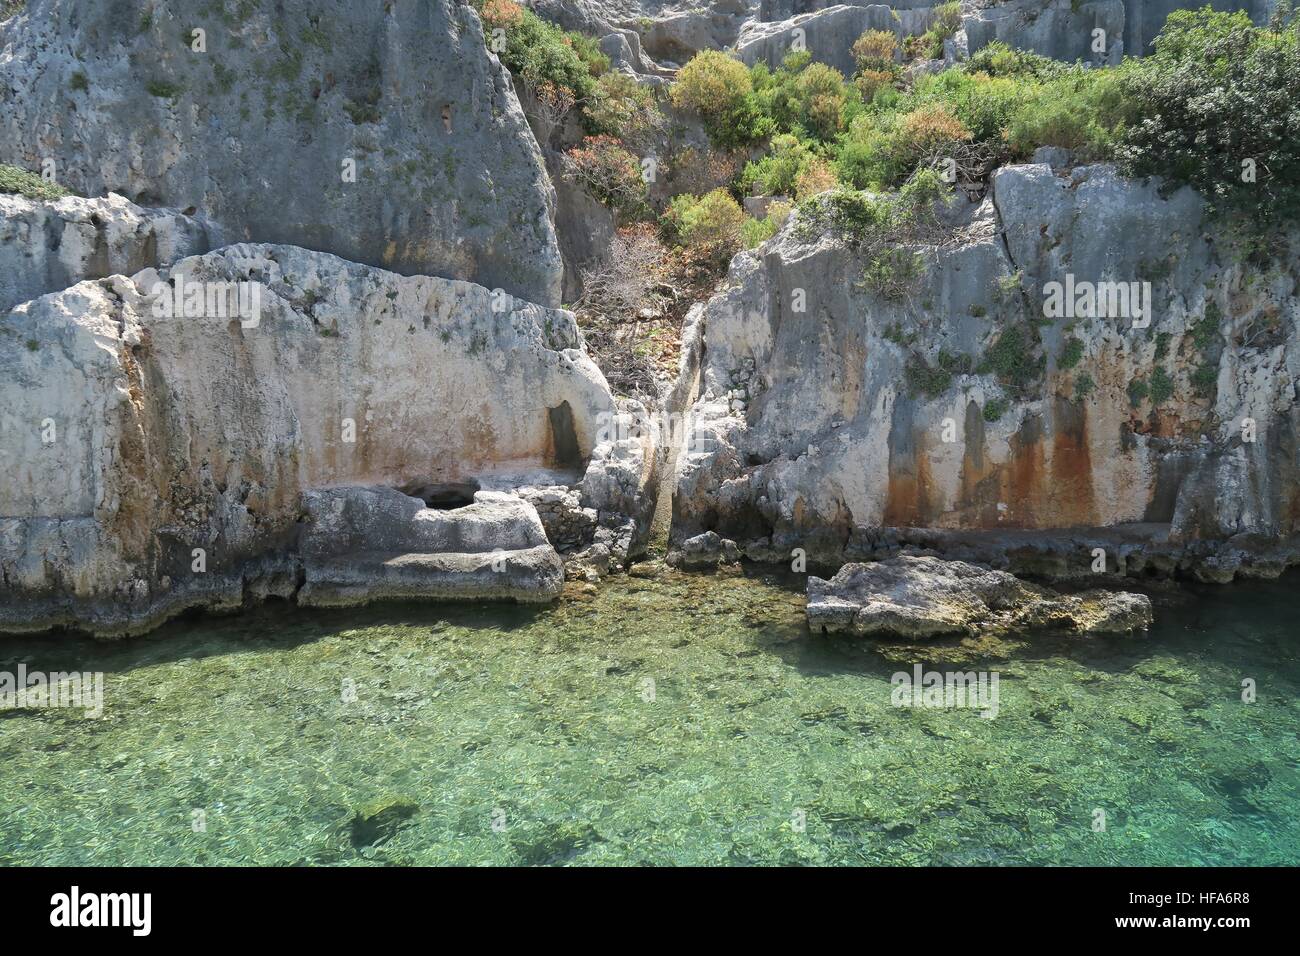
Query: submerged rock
x,y
925,597
380,820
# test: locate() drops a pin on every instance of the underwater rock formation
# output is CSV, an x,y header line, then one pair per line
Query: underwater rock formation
x,y
830,411
383,133
926,597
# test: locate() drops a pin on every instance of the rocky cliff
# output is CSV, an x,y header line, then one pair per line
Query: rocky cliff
x,y
830,411
157,457
383,133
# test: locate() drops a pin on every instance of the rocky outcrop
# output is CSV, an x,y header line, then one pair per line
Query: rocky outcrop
x,y
366,544
830,412
1060,29
48,246
925,597
153,463
383,133
829,32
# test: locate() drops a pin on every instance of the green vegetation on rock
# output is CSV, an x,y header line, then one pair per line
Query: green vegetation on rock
x,y
15,180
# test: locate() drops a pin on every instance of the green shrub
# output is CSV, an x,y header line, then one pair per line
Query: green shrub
x,y
712,224
923,379
1217,94
538,52
1138,390
1083,386
620,106
1162,386
162,89
1011,357
20,181
1071,353
755,232
947,21
998,59
777,173
1080,109
717,87
995,408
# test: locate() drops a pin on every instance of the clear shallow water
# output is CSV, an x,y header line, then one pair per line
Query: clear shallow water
x,y
502,735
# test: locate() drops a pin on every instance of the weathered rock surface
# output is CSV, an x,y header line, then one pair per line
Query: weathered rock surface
x,y
1060,29
926,597
48,246
261,131
128,439
828,33
813,429
366,544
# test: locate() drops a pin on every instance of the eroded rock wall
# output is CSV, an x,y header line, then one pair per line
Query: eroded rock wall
x,y
814,429
380,132
48,246
128,439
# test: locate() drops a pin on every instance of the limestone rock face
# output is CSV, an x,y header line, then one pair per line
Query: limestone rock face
x,y
131,441
925,597
1060,29
366,544
830,31
48,246
263,129
818,427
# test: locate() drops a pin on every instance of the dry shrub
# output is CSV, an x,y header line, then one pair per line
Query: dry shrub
x,y
610,172
625,313
930,126
817,176
505,14
875,49
869,81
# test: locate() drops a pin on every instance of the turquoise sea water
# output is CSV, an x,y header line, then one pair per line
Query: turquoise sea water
x,y
686,719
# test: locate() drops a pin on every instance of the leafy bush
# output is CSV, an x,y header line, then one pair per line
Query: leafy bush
x,y
947,21
998,59
755,232
995,408
1071,353
816,177
718,88
875,50
776,173
810,100
1218,94
1080,109
710,224
882,149
620,106
538,52
870,82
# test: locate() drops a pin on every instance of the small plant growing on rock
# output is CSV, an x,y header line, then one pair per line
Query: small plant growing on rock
x,y
20,181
